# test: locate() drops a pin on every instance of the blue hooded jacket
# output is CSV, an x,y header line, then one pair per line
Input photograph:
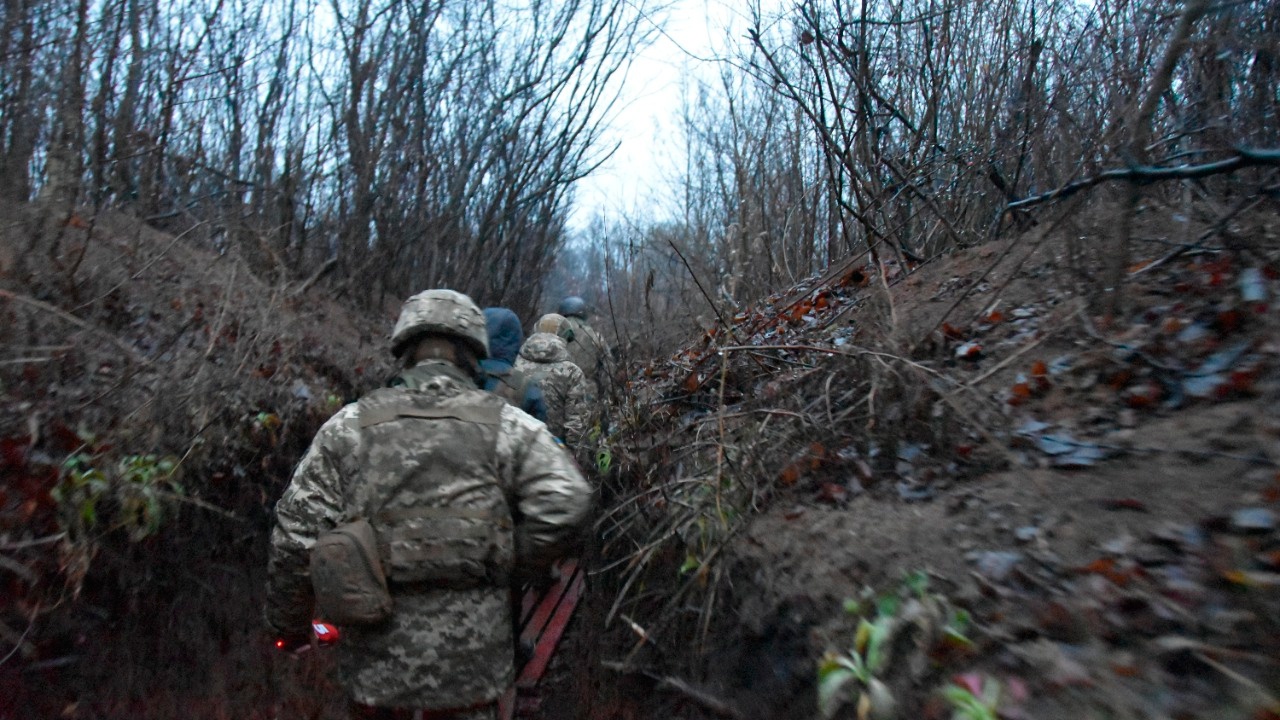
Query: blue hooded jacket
x,y
505,338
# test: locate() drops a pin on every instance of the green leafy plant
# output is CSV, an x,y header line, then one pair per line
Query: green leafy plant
x,y
144,481
966,705
958,622
78,494
910,610
861,664
134,490
918,583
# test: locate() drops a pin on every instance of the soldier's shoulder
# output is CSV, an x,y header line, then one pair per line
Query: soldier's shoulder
x,y
518,422
476,399
342,426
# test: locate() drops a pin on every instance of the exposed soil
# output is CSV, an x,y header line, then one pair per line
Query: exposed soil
x,y
1098,495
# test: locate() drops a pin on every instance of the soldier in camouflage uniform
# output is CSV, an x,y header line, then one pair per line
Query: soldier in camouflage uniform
x,y
466,495
587,349
544,359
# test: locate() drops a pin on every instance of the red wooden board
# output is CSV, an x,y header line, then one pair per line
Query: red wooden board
x,y
550,637
542,624
532,627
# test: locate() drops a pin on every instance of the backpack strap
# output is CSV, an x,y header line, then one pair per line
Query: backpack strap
x,y
388,411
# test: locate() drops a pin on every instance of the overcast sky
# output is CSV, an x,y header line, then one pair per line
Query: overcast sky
x,y
647,126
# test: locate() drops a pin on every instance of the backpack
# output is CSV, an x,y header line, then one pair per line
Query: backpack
x,y
429,494
516,388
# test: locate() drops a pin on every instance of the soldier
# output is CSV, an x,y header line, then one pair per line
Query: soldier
x,y
544,359
587,349
498,373
465,496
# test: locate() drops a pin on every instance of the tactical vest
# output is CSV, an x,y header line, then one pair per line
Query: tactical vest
x,y
430,487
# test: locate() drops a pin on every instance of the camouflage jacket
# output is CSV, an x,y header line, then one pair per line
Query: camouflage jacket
x,y
544,359
588,351
441,648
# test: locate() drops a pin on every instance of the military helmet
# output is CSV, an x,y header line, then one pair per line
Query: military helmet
x,y
550,323
446,312
573,306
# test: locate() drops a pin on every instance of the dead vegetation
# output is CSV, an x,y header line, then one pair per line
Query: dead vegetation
x,y
155,400
810,410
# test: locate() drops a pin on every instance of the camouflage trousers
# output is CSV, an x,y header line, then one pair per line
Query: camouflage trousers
x,y
368,712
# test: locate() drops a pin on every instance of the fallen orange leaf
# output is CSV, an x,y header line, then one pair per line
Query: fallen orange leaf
x,y
1119,380
833,493
1124,670
1236,577
1106,567
1242,381
789,475
1229,320
691,383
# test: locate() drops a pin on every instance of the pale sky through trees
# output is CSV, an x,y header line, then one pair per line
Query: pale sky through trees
x,y
647,122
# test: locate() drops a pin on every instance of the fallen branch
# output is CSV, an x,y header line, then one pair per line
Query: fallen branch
x,y
324,269
701,697
1244,158
1219,226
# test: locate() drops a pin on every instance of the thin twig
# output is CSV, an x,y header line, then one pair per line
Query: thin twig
x,y
18,569
1004,363
32,543
1237,677
59,312
1033,345
21,641
714,308
724,374
144,268
700,697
